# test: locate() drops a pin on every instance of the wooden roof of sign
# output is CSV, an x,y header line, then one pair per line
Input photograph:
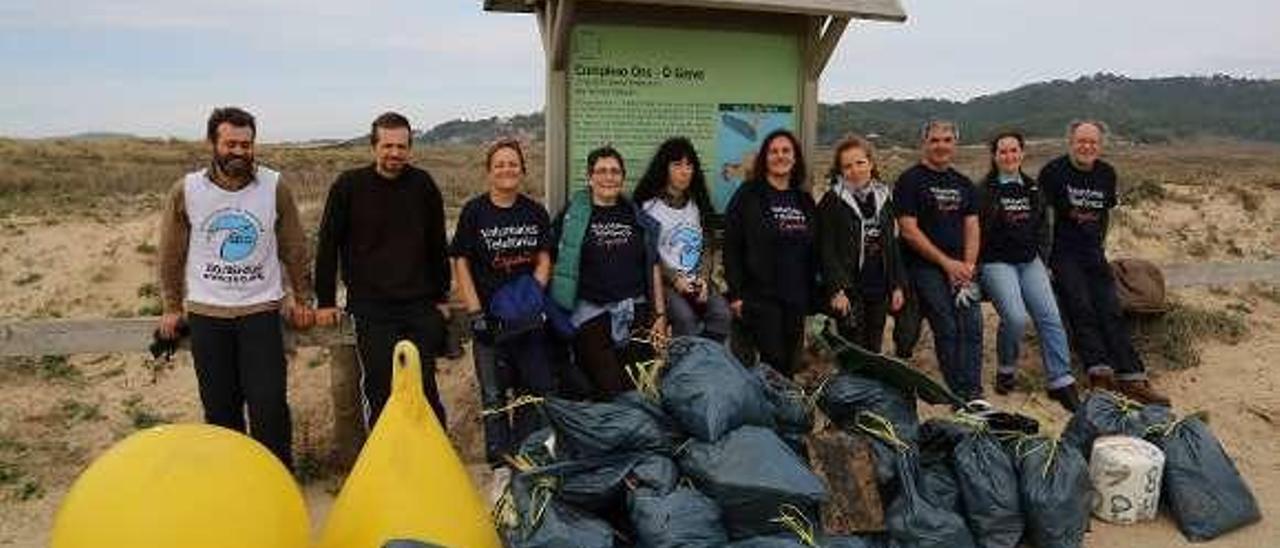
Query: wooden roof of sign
x,y
880,10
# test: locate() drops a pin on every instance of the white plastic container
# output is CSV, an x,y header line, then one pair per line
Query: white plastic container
x,y
1126,474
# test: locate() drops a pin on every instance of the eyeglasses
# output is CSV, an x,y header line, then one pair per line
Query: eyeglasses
x,y
616,172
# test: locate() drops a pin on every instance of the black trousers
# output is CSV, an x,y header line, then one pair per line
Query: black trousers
x,y
1099,332
601,361
777,331
240,363
867,328
378,328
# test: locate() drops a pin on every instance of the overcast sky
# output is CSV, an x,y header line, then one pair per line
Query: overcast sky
x,y
324,68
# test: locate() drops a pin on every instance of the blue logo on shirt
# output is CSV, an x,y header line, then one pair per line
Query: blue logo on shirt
x,y
687,242
239,232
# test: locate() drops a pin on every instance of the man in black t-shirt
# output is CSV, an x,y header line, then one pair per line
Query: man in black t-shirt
x,y
938,219
383,226
1081,191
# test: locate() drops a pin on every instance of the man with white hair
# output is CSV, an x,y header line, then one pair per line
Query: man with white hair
x,y
1080,189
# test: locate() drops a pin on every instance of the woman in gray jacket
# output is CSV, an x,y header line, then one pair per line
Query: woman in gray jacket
x,y
858,245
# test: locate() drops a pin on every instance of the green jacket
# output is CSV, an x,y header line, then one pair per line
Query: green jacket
x,y
570,229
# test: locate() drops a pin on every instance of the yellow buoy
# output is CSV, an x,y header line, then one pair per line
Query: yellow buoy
x,y
408,482
190,485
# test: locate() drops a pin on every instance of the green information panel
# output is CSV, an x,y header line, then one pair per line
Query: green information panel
x,y
633,87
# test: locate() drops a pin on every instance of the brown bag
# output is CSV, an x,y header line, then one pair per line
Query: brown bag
x,y
1140,286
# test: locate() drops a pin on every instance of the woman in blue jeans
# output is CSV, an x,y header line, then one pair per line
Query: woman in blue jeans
x,y
1013,275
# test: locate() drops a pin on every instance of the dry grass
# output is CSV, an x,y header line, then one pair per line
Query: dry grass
x,y
98,178
1170,340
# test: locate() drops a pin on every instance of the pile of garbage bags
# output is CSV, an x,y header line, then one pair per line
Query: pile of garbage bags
x,y
717,457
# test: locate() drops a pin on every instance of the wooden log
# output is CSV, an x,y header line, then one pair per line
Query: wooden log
x,y
846,464
348,407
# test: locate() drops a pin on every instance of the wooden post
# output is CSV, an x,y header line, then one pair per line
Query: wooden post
x,y
846,465
348,405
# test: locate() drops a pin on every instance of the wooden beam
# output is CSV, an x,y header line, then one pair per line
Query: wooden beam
x,y
93,336
827,44
561,24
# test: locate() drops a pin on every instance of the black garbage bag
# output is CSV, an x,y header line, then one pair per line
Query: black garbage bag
x,y
939,486
770,541
1202,488
844,395
543,522
791,408
1053,481
586,430
682,517
597,485
988,486
752,475
709,393
911,519
538,447
856,541
653,408
653,475
1104,413
561,526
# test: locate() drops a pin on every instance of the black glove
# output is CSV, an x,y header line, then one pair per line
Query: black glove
x,y
164,348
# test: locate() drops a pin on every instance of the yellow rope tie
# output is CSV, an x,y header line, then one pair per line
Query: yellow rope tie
x,y
881,429
513,405
794,520
647,377
1165,429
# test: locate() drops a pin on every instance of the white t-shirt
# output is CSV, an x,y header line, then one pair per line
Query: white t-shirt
x,y
231,254
680,240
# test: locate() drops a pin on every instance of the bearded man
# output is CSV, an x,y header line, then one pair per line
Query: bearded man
x,y
229,237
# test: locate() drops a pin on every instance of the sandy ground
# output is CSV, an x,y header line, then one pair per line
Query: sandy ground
x,y
57,417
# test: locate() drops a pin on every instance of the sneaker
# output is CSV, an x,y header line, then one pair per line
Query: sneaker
x,y
978,405
1141,391
1102,381
1066,397
1005,383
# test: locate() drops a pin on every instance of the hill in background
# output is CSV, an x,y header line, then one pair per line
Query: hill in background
x,y
1142,110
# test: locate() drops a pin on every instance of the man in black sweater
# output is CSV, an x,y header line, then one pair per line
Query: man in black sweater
x,y
1081,191
384,226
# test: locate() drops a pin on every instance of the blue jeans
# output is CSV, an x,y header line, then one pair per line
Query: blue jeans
x,y
1021,292
957,331
713,323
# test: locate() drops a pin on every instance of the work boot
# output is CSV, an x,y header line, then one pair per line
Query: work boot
x,y
1102,381
1005,383
1141,392
1066,397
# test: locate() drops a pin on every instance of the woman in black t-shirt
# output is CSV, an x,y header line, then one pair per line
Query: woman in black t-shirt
x,y
502,263
770,260
1013,275
607,277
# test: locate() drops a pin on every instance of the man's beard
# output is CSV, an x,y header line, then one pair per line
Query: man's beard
x,y
235,165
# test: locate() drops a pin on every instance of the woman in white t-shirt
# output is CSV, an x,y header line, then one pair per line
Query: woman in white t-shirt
x,y
673,191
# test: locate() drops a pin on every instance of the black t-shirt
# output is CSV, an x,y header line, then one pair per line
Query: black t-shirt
x,y
1009,232
939,200
1080,200
872,281
612,266
500,243
793,231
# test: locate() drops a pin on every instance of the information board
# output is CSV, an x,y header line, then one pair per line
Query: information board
x,y
634,86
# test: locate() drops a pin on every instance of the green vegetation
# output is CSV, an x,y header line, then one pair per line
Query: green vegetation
x,y
140,415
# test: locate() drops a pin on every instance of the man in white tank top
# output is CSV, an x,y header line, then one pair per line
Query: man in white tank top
x,y
229,236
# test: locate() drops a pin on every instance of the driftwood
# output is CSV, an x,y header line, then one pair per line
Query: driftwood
x,y
846,464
